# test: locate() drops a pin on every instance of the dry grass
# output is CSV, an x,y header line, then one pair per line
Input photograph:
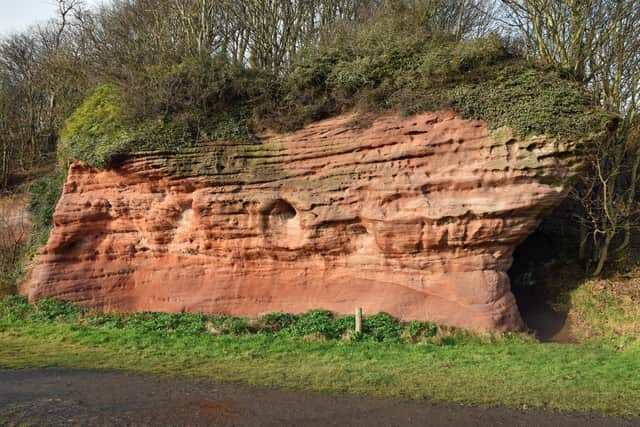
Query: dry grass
x,y
607,307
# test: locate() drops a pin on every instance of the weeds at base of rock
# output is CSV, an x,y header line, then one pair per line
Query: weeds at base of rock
x,y
313,326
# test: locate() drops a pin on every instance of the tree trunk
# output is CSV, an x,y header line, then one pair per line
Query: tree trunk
x,y
603,253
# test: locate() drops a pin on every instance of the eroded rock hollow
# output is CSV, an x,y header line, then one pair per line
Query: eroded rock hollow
x,y
417,217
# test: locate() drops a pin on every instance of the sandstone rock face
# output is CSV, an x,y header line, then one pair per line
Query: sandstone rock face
x,y
417,217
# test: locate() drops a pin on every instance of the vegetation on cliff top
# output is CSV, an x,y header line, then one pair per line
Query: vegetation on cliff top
x,y
479,81
390,63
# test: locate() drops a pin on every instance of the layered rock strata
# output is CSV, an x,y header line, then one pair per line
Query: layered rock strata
x,y
417,217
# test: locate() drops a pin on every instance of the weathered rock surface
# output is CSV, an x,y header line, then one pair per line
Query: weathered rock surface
x,y
417,217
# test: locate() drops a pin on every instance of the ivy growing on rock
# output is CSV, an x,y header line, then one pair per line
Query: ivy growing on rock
x,y
388,64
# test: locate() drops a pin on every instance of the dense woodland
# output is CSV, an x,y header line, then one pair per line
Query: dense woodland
x,y
92,84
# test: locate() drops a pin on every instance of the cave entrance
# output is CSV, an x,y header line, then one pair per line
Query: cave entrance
x,y
534,263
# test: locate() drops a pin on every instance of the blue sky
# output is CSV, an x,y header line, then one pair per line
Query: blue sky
x,y
16,15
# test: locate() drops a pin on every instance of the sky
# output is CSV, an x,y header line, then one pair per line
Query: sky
x,y
17,15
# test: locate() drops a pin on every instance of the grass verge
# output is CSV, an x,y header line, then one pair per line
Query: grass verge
x,y
511,371
607,308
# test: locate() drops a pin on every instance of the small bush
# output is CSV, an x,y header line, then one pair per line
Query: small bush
x,y
344,325
273,322
8,280
188,323
96,131
381,327
430,329
49,309
416,331
179,323
235,325
15,308
316,322
10,268
231,325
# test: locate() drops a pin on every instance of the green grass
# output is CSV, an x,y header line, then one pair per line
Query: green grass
x,y
507,370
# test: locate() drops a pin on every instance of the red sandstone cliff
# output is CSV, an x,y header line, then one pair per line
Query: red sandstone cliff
x,y
417,217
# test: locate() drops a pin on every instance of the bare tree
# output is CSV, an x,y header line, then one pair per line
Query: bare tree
x,y
41,81
14,232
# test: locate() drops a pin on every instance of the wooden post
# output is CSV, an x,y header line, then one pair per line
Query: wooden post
x,y
358,320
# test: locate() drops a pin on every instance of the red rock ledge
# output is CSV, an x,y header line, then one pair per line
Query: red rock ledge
x,y
417,217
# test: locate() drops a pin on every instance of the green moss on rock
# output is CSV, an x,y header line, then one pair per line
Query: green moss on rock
x,y
96,130
529,100
227,163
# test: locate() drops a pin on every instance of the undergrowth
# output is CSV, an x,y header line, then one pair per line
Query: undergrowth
x,y
313,325
44,194
389,64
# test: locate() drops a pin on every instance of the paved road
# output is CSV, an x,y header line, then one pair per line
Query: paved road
x,y
87,398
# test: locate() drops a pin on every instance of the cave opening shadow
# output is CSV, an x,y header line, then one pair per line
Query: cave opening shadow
x,y
533,262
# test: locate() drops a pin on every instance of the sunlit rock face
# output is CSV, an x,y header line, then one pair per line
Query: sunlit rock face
x,y
417,217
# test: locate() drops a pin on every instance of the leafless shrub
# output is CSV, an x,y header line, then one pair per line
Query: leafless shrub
x,y
14,233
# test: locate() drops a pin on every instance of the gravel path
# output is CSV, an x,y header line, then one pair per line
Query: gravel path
x,y
95,398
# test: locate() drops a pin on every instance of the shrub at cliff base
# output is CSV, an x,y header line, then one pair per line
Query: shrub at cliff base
x,y
321,324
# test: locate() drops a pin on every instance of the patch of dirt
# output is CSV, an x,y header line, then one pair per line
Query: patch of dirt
x,y
61,397
608,306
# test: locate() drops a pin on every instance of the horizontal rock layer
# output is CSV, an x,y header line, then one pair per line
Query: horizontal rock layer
x,y
417,217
